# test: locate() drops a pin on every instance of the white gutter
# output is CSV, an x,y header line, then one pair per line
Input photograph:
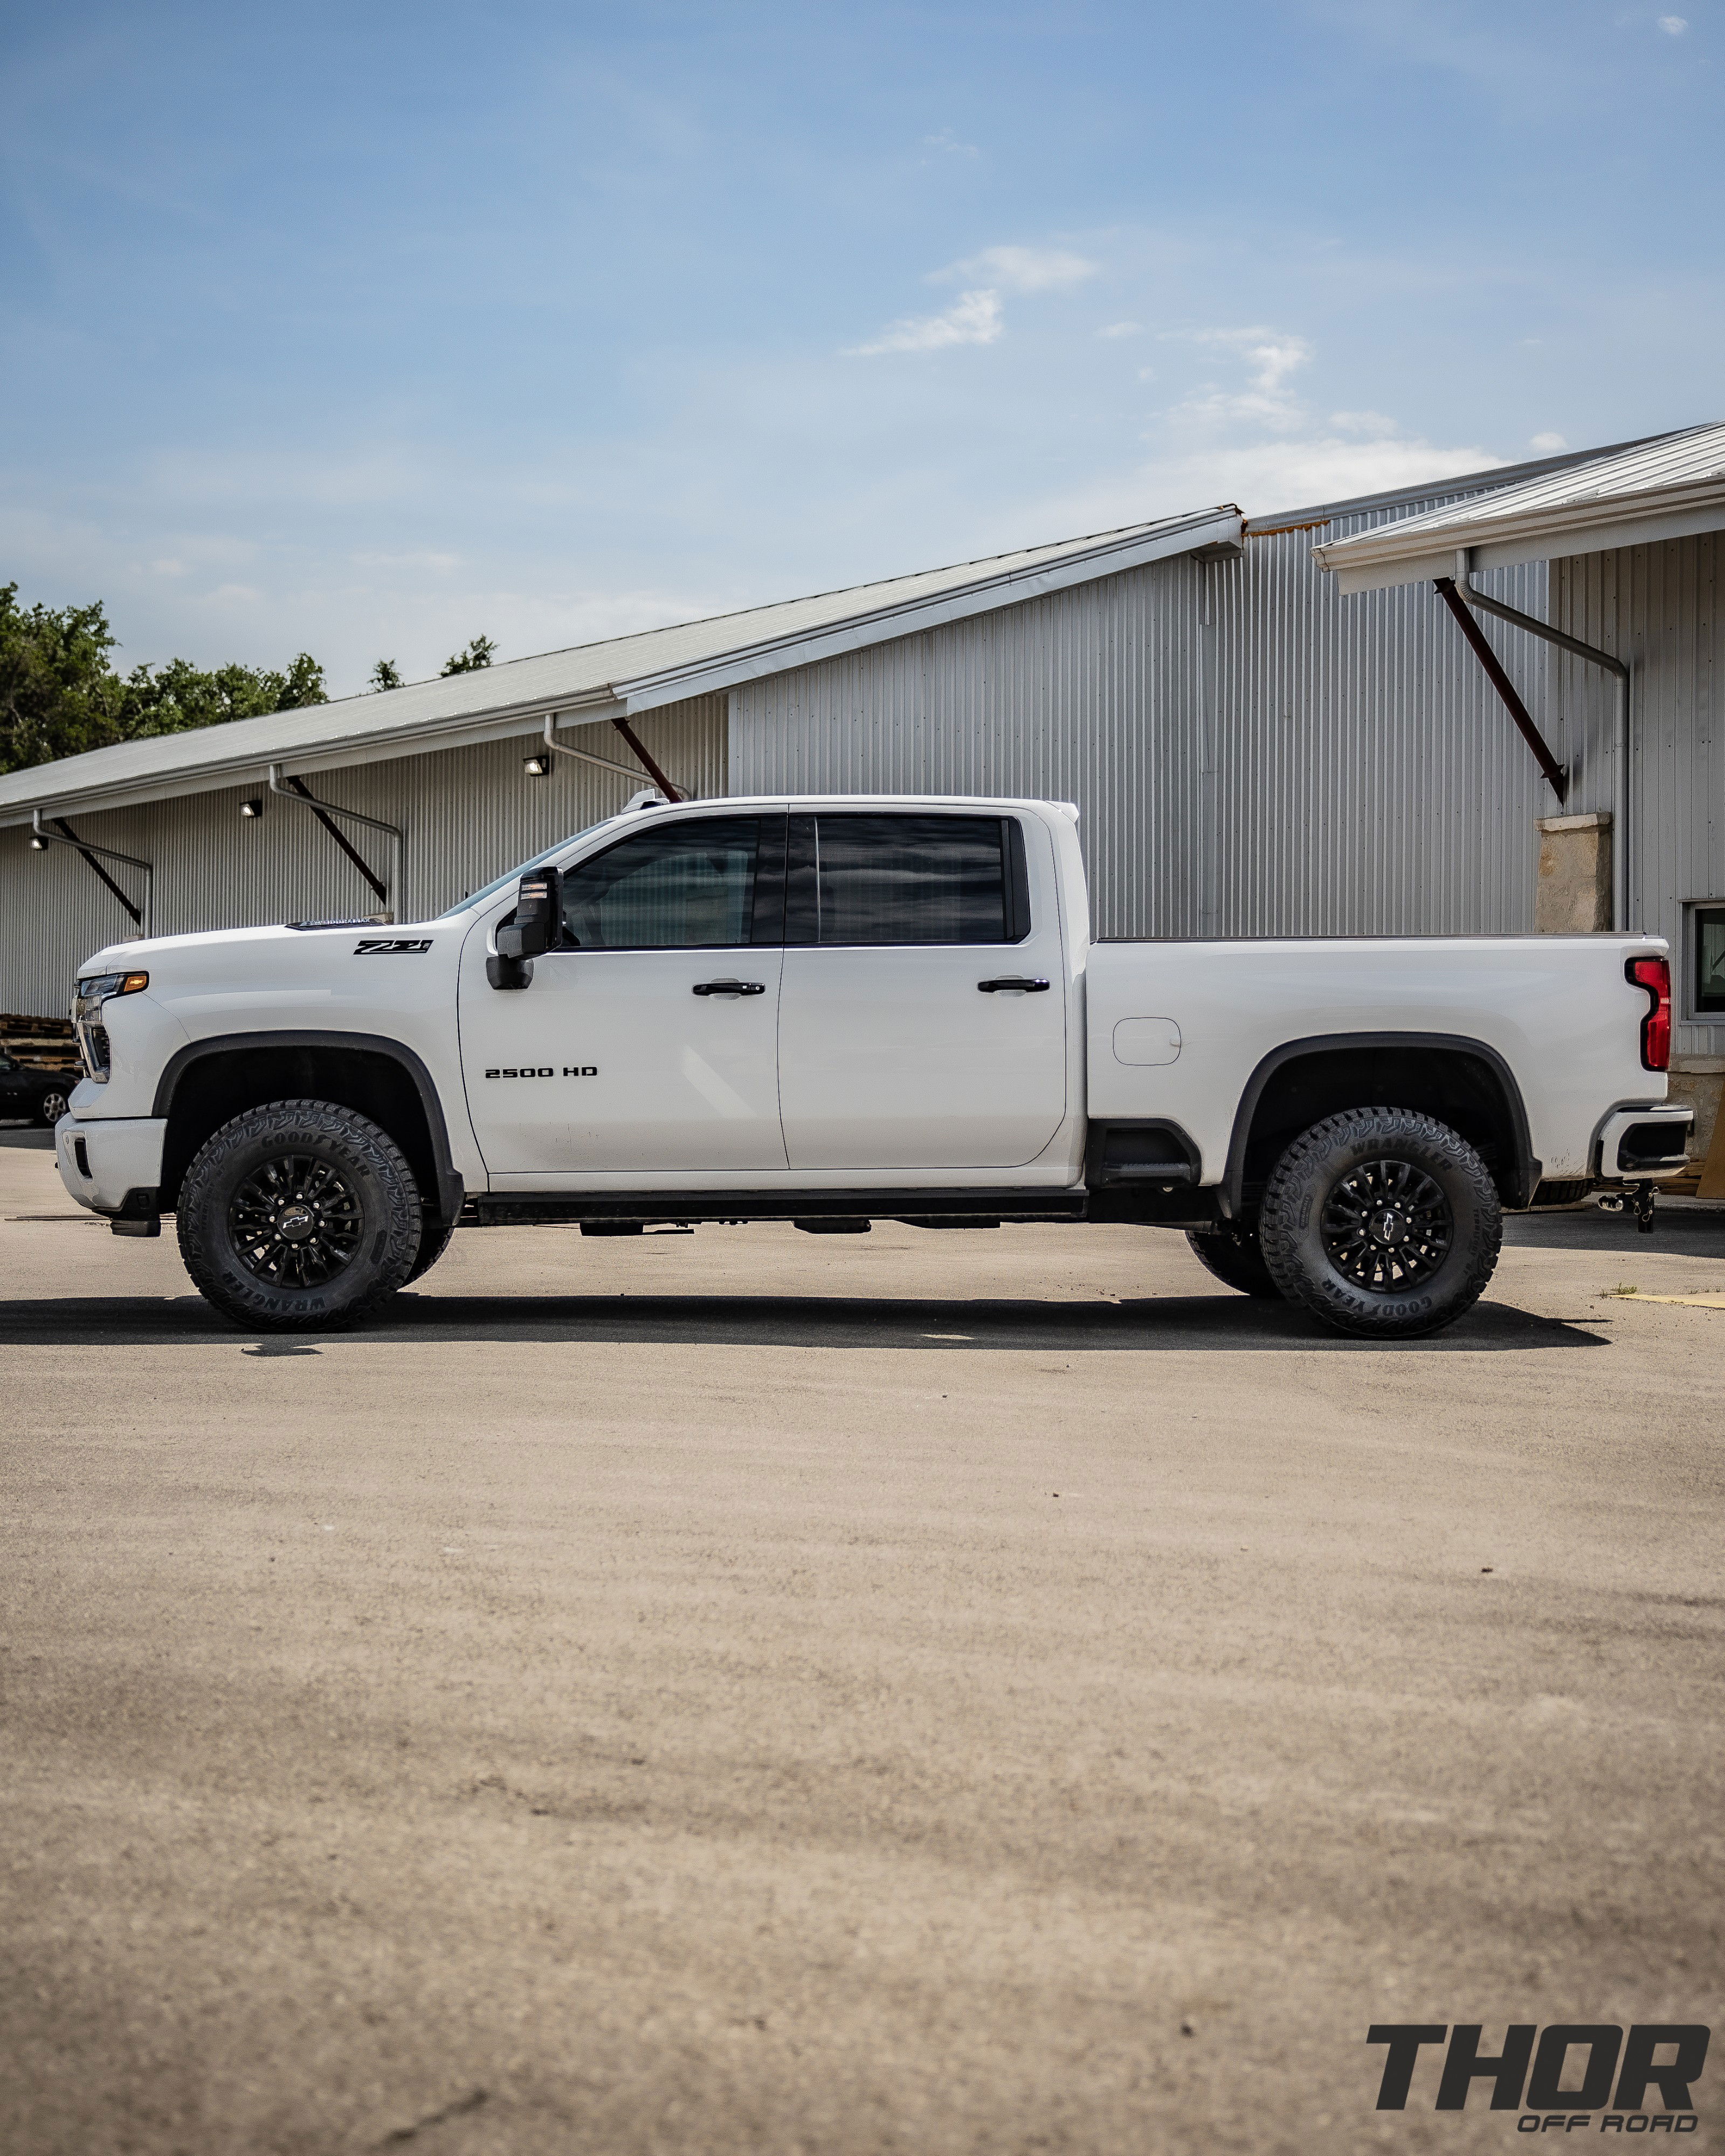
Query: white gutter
x,y
1415,549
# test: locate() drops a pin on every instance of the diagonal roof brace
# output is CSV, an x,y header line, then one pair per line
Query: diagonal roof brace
x,y
1555,774
651,770
143,918
389,896
1620,672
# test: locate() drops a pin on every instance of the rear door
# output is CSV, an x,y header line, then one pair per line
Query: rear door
x,y
648,1041
923,1020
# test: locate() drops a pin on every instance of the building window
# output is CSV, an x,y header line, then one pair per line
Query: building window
x,y
1707,942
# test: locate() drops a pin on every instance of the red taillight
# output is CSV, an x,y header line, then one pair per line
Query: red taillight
x,y
1654,975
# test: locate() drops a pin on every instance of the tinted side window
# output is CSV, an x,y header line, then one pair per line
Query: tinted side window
x,y
899,879
679,886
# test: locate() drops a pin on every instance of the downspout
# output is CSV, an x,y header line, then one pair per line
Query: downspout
x,y
605,763
144,918
1615,667
296,790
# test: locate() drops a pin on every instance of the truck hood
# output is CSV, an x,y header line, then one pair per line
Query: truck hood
x,y
265,947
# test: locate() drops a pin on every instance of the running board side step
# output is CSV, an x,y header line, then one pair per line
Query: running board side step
x,y
534,1209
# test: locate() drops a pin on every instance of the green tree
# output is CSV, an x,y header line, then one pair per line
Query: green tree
x,y
386,675
60,694
57,689
477,655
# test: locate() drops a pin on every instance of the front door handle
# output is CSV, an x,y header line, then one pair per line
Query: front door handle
x,y
1018,981
730,989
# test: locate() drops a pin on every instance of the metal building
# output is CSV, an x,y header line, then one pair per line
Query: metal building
x,y
1267,727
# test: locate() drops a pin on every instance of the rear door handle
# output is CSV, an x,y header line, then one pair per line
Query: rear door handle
x,y
1018,981
729,988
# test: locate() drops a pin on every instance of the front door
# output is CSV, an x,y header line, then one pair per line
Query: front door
x,y
906,1039
646,1042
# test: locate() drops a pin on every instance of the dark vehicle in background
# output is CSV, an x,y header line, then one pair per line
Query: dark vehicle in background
x,y
27,1089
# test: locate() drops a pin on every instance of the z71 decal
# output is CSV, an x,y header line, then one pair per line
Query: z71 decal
x,y
391,946
545,1070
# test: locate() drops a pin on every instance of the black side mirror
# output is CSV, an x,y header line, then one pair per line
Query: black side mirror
x,y
535,929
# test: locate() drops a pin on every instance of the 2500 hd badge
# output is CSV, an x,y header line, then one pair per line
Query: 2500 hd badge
x,y
570,1070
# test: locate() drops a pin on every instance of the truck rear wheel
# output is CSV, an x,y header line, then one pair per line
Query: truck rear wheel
x,y
299,1216
1233,1255
1382,1222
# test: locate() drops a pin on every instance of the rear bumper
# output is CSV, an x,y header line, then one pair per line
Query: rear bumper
x,y
1636,1144
113,1166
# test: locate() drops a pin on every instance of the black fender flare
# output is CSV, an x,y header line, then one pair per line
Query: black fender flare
x,y
451,1189
1528,1169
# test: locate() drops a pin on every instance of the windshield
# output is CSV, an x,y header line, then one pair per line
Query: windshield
x,y
502,883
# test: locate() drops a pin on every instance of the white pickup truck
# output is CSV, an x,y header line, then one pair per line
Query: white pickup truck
x,y
840,1009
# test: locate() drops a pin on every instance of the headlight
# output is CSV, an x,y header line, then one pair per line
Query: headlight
x,y
93,992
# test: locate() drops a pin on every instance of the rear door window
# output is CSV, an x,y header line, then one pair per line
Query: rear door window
x,y
905,878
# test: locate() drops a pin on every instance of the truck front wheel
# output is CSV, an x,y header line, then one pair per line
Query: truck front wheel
x,y
1382,1223
299,1216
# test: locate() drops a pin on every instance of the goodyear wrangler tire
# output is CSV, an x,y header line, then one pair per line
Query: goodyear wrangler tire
x,y
299,1216
1233,1255
1382,1223
436,1237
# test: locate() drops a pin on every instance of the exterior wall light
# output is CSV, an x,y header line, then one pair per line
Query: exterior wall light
x,y
251,808
536,766
39,845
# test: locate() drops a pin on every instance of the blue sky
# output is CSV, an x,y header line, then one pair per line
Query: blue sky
x,y
362,329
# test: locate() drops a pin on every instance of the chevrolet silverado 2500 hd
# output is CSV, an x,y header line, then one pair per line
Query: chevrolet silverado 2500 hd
x,y
839,1009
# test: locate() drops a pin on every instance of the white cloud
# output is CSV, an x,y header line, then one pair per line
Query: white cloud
x,y
1022,269
1547,445
1374,425
1122,329
1258,444
1272,356
1673,25
441,564
972,318
1264,478
947,141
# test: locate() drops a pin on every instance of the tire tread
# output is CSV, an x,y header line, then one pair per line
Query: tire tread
x,y
252,1304
1305,1163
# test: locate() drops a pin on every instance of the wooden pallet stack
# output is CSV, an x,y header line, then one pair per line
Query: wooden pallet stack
x,y
47,1042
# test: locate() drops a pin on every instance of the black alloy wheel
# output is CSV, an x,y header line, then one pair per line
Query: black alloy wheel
x,y
1382,1222
52,1107
299,1215
1387,1226
294,1222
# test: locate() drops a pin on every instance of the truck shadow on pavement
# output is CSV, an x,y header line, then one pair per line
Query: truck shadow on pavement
x,y
1223,1322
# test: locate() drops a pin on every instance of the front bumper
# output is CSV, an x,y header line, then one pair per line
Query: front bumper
x,y
114,1167
1636,1144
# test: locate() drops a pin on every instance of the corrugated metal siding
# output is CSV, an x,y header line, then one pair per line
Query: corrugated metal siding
x,y
469,814
1251,753
1659,607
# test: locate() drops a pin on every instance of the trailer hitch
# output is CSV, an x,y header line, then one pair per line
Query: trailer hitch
x,y
1640,1198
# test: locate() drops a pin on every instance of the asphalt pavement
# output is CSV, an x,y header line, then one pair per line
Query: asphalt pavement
x,y
748,1692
